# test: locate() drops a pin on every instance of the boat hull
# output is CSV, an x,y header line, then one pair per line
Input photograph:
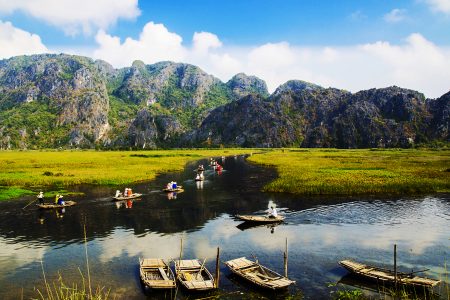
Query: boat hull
x,y
155,274
133,196
53,206
260,219
257,274
387,276
193,276
177,190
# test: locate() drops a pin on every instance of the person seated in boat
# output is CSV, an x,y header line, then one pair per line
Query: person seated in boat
x,y
174,185
130,192
118,194
56,199
125,193
41,197
60,200
273,212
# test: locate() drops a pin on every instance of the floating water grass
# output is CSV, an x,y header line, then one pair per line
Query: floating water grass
x,y
351,172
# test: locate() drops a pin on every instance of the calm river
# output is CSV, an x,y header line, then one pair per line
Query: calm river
x,y
320,232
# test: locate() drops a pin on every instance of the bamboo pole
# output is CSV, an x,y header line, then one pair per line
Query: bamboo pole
x,y
181,255
29,203
286,260
87,259
217,268
395,267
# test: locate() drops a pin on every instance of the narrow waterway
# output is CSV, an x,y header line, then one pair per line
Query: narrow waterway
x,y
320,232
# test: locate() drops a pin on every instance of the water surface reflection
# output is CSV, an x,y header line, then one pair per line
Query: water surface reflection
x,y
320,232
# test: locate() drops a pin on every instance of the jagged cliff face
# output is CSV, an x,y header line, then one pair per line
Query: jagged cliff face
x,y
307,115
49,101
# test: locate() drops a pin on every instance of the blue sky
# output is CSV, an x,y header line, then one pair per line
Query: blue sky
x,y
347,44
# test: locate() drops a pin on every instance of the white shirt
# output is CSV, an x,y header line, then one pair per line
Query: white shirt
x,y
273,212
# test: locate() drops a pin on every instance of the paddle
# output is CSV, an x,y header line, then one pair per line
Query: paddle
x,y
201,268
260,267
29,203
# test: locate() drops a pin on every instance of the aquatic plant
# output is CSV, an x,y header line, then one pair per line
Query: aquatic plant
x,y
59,290
13,192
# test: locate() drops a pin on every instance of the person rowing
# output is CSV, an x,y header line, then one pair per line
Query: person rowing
x,y
273,212
41,197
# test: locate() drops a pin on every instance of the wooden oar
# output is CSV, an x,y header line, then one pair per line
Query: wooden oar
x,y
29,203
201,268
260,267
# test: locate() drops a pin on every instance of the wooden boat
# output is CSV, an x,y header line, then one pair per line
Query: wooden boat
x,y
258,274
179,189
387,276
53,205
156,274
193,275
260,219
133,196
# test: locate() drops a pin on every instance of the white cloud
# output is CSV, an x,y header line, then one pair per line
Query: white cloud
x,y
155,44
75,16
442,6
396,15
17,255
15,41
204,41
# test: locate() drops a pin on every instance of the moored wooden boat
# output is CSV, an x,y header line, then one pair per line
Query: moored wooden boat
x,y
53,205
193,275
133,196
387,276
257,274
260,219
156,274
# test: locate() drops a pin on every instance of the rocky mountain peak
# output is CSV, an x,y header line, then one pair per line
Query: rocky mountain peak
x,y
296,86
243,85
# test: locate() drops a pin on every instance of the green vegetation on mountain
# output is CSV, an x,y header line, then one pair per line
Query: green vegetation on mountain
x,y
52,101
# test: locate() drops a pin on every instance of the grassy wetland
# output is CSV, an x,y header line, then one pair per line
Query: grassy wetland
x,y
301,171
25,171
351,172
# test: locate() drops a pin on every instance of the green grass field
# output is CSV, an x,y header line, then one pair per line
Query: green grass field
x,y
301,171
351,172
25,171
